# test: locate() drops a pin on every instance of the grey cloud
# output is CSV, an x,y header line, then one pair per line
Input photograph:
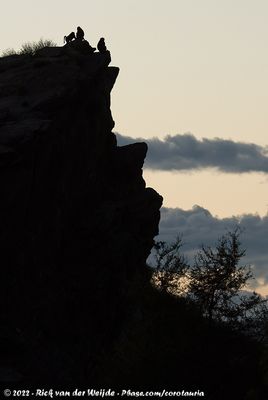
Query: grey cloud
x,y
185,152
197,226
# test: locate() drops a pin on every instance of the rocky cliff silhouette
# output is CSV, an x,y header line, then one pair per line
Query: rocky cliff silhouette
x,y
76,219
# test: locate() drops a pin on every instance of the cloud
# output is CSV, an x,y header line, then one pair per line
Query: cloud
x,y
198,227
186,152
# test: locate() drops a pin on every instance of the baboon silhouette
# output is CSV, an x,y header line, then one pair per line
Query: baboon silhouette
x,y
79,33
101,45
69,38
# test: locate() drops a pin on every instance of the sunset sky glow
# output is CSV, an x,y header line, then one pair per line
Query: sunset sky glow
x,y
186,66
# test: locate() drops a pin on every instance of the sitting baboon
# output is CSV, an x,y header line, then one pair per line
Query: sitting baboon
x,y
101,46
79,33
69,38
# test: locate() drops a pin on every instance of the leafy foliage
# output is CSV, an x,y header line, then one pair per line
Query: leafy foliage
x,y
216,283
216,277
171,267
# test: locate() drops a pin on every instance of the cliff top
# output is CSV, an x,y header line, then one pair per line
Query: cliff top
x,y
34,87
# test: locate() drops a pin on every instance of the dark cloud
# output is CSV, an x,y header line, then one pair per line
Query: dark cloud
x,y
198,226
185,152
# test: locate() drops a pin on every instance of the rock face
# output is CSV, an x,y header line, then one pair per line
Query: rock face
x,y
76,219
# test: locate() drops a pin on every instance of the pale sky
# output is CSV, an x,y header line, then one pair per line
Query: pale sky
x,y
185,66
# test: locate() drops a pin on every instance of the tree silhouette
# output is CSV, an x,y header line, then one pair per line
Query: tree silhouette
x,y
171,267
217,281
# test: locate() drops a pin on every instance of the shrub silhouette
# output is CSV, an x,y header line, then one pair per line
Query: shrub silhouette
x,y
32,47
9,52
171,267
216,283
29,48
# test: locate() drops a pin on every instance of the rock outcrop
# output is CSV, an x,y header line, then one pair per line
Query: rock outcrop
x,y
76,219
